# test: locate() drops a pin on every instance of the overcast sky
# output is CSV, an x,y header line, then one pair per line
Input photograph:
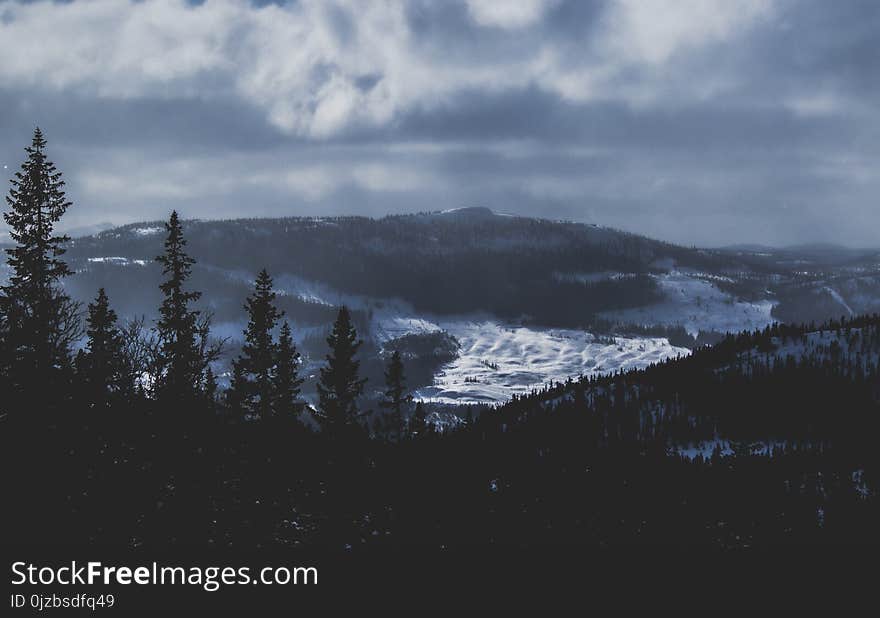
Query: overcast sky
x,y
704,122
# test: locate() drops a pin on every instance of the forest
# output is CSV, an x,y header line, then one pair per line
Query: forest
x,y
762,438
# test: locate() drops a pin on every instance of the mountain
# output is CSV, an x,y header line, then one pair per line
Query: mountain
x,y
473,293
452,262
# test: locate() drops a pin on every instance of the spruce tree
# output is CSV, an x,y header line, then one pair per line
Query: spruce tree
x,y
180,359
395,394
286,381
39,321
256,364
103,358
339,386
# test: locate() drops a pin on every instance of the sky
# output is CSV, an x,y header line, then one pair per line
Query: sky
x,y
701,122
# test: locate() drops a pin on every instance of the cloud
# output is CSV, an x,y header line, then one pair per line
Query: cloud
x,y
319,67
653,31
699,121
133,178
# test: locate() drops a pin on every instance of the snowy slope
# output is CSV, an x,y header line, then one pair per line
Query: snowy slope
x,y
692,301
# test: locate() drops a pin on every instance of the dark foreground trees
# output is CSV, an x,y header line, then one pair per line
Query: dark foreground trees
x,y
265,383
340,385
183,350
102,364
39,321
286,383
396,396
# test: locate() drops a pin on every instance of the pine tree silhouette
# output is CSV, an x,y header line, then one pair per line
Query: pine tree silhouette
x,y
101,363
286,381
395,394
339,386
256,364
40,322
180,361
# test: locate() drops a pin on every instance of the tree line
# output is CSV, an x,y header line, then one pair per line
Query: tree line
x,y
170,363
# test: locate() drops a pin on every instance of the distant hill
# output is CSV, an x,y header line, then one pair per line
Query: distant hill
x,y
458,261
473,260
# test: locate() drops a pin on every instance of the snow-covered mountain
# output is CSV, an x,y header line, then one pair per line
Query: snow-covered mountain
x,y
486,305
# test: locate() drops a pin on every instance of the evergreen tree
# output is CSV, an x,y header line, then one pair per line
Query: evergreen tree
x,y
181,360
210,389
286,381
395,394
39,321
339,386
101,364
256,363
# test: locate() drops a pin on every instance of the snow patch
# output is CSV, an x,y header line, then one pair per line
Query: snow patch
x,y
146,231
117,260
109,260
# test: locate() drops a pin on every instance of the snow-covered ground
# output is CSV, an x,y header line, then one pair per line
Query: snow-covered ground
x,y
690,300
498,361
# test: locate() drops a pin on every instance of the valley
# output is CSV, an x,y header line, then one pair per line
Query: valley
x,y
513,303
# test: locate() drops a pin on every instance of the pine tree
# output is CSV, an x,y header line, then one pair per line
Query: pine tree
x,y
180,359
39,321
256,363
286,381
102,362
395,394
339,386
210,389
